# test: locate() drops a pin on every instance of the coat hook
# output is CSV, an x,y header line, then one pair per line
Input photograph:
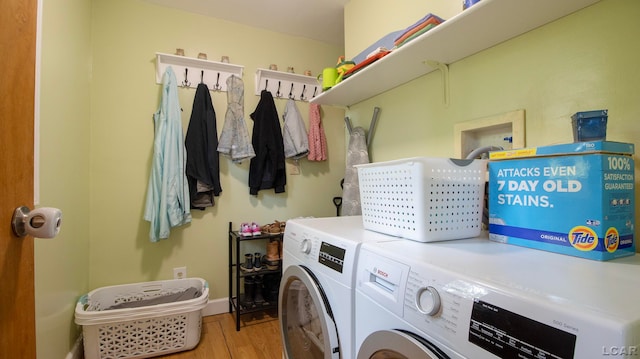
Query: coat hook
x,y
304,88
315,88
266,84
278,94
201,76
291,92
217,86
186,82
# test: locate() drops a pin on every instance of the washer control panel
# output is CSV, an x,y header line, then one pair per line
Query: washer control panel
x,y
429,303
486,300
464,313
331,256
322,253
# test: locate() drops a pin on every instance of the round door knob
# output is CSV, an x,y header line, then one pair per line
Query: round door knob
x,y
428,301
42,222
305,246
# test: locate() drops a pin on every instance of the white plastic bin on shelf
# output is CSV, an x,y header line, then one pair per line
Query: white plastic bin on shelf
x,y
144,331
423,199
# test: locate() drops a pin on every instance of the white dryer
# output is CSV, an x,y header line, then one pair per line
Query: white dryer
x,y
480,299
316,299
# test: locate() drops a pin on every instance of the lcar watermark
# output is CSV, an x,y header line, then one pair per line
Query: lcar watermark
x,y
629,350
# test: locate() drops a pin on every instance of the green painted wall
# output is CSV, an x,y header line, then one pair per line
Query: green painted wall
x,y
98,95
551,72
62,264
125,36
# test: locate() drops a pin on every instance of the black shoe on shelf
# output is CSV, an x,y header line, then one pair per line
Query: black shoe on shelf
x,y
259,298
248,300
257,263
247,266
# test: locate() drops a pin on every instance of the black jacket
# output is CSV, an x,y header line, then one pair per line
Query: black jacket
x,y
201,142
267,168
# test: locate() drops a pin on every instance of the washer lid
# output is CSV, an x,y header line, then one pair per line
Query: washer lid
x,y
306,322
398,344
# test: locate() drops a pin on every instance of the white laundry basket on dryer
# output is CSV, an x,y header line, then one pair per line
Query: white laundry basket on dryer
x,y
423,199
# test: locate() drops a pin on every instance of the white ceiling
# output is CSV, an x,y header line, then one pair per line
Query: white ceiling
x,y
321,20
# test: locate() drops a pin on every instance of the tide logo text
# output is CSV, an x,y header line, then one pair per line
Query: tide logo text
x,y
612,240
583,238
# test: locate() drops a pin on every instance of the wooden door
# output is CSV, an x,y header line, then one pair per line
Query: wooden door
x,y
17,88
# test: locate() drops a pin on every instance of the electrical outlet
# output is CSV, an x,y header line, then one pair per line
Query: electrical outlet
x,y
180,273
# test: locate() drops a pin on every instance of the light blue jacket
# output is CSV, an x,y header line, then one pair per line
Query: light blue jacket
x,y
168,202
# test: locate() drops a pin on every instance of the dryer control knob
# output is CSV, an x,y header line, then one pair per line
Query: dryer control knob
x,y
428,301
305,246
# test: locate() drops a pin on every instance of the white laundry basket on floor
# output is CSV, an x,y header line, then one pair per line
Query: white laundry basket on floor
x,y
423,199
145,331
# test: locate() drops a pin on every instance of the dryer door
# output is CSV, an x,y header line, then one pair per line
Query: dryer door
x,y
306,323
398,344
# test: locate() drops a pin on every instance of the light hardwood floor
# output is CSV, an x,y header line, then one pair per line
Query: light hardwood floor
x,y
258,338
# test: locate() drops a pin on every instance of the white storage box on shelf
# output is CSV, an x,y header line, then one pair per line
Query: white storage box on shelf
x,y
145,331
423,199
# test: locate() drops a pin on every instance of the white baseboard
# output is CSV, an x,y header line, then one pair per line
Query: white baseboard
x,y
215,306
77,352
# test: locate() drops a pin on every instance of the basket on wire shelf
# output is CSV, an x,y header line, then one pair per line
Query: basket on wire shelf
x,y
142,320
423,199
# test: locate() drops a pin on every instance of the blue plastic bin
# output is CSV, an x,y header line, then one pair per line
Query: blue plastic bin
x,y
589,125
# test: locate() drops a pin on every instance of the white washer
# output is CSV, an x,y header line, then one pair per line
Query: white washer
x,y
480,299
316,300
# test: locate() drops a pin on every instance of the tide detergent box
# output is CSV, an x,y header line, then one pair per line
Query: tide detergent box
x,y
576,199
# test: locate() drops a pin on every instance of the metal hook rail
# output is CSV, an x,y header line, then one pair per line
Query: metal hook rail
x,y
266,80
212,73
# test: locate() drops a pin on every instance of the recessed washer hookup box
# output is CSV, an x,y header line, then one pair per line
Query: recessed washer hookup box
x,y
575,199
